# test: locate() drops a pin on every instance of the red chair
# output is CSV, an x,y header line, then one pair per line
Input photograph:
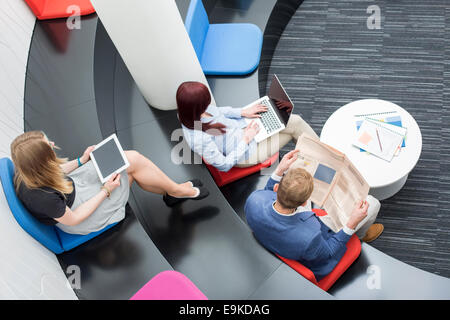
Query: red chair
x,y
222,178
53,9
352,253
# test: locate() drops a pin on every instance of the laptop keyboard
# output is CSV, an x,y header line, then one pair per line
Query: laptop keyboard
x,y
269,119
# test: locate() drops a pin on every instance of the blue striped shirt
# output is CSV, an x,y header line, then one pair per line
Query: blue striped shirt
x,y
225,150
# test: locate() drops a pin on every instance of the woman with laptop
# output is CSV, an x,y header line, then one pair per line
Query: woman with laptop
x,y
223,136
69,194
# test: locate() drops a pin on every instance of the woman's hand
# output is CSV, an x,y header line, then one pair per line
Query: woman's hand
x,y
68,167
285,163
84,210
250,131
254,111
113,182
86,155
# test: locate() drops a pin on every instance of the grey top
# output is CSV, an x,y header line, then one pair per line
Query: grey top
x,y
111,210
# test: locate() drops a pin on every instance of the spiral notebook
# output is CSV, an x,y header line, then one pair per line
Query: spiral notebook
x,y
379,138
391,117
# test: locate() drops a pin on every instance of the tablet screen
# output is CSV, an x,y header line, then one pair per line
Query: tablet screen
x,y
108,158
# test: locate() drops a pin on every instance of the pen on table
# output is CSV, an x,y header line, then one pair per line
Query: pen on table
x,y
378,136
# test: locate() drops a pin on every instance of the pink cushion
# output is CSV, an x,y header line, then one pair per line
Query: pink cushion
x,y
169,285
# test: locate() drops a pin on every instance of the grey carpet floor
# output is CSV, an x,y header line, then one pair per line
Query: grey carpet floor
x,y
327,57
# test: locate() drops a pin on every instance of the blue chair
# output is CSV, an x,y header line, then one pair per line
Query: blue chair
x,y
50,237
223,49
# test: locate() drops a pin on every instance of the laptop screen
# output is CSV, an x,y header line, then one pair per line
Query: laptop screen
x,y
280,99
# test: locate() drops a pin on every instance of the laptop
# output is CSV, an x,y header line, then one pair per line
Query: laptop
x,y
279,110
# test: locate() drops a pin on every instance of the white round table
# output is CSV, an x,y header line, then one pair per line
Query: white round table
x,y
384,178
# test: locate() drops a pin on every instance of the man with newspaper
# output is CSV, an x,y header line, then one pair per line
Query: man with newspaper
x,y
281,219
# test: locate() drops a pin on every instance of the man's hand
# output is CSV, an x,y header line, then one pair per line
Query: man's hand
x,y
86,155
254,111
358,214
288,159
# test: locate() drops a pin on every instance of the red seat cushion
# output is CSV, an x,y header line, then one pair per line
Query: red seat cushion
x,y
352,253
304,271
53,9
222,178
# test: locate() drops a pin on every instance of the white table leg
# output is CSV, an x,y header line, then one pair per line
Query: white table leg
x,y
388,191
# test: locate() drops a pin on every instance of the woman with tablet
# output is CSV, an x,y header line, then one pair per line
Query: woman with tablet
x,y
69,194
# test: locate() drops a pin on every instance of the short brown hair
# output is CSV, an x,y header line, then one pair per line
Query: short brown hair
x,y
295,188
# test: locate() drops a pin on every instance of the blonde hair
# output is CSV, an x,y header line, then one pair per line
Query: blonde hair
x,y
295,188
36,164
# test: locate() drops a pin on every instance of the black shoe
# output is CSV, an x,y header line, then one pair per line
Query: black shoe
x,y
196,182
171,201
202,195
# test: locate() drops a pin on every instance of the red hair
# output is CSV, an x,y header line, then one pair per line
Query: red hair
x,y
193,98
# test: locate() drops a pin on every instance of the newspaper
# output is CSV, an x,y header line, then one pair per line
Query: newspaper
x,y
338,185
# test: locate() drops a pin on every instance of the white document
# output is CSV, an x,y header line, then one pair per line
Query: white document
x,y
380,139
338,185
380,116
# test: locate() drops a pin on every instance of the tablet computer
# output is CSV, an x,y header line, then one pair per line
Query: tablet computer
x,y
108,158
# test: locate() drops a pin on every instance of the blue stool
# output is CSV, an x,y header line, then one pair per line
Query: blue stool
x,y
50,237
223,49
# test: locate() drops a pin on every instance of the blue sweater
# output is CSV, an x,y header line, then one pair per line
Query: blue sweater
x,y
302,236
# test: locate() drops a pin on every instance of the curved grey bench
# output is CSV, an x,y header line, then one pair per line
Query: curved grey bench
x,y
397,280
87,94
204,240
60,99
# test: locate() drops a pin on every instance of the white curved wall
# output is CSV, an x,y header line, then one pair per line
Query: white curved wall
x,y
152,41
27,269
